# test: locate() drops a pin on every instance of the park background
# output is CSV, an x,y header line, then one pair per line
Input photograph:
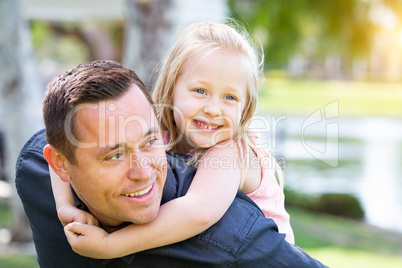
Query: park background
x,y
330,107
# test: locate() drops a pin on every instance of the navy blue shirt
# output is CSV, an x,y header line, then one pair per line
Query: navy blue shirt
x,y
242,238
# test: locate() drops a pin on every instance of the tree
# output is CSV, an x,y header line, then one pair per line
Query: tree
x,y
149,33
20,99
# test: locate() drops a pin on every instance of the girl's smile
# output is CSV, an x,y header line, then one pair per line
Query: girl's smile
x,y
209,127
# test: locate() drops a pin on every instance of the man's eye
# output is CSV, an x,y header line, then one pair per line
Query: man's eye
x,y
200,91
116,156
230,97
151,141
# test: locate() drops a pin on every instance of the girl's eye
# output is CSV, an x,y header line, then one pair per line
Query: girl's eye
x,y
230,97
200,91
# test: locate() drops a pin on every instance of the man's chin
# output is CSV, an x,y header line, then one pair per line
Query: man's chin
x,y
146,217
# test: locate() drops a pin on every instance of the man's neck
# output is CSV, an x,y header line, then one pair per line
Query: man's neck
x,y
111,229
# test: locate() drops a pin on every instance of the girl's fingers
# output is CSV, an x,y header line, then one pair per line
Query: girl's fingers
x,y
93,221
75,228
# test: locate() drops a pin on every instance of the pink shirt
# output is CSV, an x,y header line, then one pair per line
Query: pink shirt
x,y
269,195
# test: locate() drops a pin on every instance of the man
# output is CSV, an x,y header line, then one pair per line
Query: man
x,y
104,139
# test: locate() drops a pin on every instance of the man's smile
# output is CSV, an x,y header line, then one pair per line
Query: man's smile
x,y
139,193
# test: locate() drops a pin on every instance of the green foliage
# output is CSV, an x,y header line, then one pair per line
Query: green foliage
x,y
280,21
312,28
343,205
297,200
5,214
60,42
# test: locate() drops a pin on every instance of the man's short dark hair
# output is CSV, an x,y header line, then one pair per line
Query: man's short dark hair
x,y
90,82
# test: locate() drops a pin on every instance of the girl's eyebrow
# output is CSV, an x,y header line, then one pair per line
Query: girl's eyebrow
x,y
207,83
235,89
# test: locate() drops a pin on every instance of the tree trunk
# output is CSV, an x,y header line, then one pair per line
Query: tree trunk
x,y
152,27
20,100
148,36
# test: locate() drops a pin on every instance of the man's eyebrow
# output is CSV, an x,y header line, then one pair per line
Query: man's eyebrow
x,y
151,131
106,149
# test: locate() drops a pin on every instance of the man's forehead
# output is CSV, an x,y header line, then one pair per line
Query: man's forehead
x,y
131,104
127,118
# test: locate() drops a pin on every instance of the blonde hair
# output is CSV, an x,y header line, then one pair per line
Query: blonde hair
x,y
196,37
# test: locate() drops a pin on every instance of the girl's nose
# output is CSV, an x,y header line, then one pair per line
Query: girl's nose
x,y
213,108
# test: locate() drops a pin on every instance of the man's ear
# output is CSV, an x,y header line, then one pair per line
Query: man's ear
x,y
57,162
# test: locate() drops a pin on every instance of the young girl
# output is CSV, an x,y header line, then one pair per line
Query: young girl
x,y
206,95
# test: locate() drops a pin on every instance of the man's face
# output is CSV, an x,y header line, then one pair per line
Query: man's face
x,y
121,162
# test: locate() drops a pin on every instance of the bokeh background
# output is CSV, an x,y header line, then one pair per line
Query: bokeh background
x,y
330,107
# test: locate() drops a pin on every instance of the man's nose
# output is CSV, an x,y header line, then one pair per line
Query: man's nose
x,y
213,108
139,167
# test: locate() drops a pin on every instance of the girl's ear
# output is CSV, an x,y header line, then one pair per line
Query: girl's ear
x,y
57,162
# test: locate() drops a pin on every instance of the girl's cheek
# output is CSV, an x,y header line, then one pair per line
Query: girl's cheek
x,y
178,118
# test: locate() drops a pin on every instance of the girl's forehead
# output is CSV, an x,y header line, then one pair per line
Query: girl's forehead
x,y
215,52
209,55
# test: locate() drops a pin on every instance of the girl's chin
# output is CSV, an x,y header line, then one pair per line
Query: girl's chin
x,y
208,142
203,143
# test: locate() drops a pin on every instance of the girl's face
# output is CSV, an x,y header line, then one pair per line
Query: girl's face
x,y
209,97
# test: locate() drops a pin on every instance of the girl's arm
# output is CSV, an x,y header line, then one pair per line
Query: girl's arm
x,y
65,203
211,192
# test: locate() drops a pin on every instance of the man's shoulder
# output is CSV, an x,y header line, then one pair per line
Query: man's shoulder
x,y
31,155
178,179
31,162
178,164
36,143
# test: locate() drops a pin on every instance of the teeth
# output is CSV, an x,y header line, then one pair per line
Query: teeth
x,y
206,126
139,193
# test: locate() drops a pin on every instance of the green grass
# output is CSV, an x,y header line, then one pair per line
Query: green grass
x,y
355,99
339,242
18,261
336,257
13,260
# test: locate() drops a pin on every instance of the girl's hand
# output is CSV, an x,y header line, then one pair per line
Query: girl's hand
x,y
68,214
88,240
